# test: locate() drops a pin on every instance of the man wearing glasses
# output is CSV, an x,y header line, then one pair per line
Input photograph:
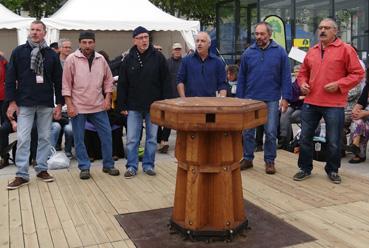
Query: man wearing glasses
x,y
143,79
330,69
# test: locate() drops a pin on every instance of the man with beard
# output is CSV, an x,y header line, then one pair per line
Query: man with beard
x,y
33,78
265,76
330,69
143,79
87,88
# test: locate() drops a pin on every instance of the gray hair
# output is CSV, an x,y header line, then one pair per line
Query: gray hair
x,y
207,36
268,26
62,40
334,23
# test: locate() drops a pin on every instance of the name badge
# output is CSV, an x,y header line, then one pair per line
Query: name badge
x,y
39,79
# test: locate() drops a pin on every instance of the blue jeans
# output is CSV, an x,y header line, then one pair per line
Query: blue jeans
x,y
55,131
334,120
26,117
101,122
134,126
68,135
270,129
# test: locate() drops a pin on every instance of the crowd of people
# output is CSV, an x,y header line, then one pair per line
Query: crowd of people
x,y
51,91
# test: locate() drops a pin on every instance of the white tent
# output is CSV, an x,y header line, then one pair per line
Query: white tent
x,y
9,22
116,15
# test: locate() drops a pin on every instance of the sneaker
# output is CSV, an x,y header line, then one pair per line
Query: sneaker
x,y
85,174
150,172
301,175
45,176
17,182
246,164
270,168
334,177
111,171
129,173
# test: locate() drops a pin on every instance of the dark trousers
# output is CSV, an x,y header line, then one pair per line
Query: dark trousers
x,y
163,134
93,145
334,119
7,129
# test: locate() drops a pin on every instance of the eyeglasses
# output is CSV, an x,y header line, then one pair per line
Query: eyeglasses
x,y
144,37
324,27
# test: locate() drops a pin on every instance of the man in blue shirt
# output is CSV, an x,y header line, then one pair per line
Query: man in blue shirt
x,y
201,73
265,76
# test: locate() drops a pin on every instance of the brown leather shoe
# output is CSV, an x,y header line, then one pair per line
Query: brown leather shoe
x,y
246,164
269,168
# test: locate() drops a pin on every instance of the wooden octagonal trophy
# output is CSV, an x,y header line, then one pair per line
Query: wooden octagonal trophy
x,y
208,201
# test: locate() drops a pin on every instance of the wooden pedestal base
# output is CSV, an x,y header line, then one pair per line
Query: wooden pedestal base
x,y
208,198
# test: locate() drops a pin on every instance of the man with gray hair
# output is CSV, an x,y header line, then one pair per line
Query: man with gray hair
x,y
265,76
65,48
201,73
330,69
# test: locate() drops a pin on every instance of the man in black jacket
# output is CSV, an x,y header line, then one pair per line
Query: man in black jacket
x,y
33,77
143,79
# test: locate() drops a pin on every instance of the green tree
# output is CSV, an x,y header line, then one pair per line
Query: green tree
x,y
36,8
203,10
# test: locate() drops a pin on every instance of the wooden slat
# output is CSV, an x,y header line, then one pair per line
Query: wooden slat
x,y
4,214
66,186
29,228
15,217
56,229
42,228
64,217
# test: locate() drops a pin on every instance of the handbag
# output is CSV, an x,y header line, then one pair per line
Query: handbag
x,y
58,160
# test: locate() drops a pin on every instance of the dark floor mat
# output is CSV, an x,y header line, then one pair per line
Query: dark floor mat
x,y
149,229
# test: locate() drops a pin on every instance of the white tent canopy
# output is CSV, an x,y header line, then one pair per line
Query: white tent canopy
x,y
117,15
9,20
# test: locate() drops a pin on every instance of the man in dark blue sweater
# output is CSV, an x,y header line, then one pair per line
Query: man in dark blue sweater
x,y
201,73
33,77
265,76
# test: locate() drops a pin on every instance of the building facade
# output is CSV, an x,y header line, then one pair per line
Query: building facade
x,y
236,21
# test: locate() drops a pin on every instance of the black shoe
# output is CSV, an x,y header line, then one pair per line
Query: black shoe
x,y
246,164
354,149
85,174
111,171
357,160
301,175
334,177
150,172
4,162
164,149
58,147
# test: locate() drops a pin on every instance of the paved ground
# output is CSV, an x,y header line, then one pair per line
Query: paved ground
x,y
360,169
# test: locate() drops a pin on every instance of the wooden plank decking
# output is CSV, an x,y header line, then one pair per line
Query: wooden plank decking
x,y
75,213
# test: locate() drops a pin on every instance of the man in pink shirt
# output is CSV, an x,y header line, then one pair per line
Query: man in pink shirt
x,y
87,88
330,69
